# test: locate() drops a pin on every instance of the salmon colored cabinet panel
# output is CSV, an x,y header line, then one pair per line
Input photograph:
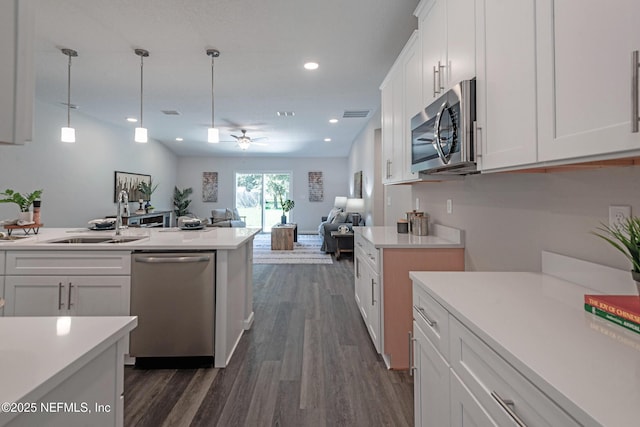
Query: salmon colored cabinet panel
x,y
397,293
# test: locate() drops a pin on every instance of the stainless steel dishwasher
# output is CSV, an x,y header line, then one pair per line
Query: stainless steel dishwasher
x,y
173,295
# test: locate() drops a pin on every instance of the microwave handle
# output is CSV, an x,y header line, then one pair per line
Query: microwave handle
x,y
476,141
436,133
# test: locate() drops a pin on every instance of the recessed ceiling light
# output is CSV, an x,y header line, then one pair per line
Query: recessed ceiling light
x,y
311,65
132,120
179,139
327,140
333,120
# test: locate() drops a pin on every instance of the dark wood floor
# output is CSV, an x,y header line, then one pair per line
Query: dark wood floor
x,y
307,361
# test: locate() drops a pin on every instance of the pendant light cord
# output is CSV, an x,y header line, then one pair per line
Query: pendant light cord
x,y
69,93
212,105
141,85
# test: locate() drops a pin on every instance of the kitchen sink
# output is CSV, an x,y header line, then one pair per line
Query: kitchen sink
x,y
98,239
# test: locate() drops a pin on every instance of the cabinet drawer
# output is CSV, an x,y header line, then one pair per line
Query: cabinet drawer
x,y
490,378
369,250
68,263
432,318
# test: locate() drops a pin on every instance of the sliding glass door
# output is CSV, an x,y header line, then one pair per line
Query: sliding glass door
x,y
258,197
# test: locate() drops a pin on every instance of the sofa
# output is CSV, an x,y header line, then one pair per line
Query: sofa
x,y
226,218
330,223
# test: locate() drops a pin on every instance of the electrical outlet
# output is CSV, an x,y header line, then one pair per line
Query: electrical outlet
x,y
618,215
449,206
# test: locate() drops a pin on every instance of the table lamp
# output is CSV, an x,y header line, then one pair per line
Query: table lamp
x,y
340,202
355,207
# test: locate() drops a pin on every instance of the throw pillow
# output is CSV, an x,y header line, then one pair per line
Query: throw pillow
x,y
332,214
219,215
235,214
340,218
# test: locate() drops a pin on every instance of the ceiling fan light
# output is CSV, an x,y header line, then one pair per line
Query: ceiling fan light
x,y
243,144
141,135
68,134
213,136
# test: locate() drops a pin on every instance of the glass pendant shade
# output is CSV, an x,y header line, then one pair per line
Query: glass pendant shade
x,y
141,135
213,135
68,134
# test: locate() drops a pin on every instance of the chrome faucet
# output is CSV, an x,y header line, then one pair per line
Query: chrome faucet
x,y
123,197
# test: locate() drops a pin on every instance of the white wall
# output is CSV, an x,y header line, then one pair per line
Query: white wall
x,y
365,156
78,179
305,213
510,218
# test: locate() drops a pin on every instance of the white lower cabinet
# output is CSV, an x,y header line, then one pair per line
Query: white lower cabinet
x,y
67,295
73,283
367,294
471,385
431,382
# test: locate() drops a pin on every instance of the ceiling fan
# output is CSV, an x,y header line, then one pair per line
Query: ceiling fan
x,y
244,141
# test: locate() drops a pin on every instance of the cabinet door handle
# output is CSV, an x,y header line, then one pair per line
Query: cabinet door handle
x,y
373,300
635,64
60,303
69,304
424,315
440,86
411,357
507,405
435,71
357,268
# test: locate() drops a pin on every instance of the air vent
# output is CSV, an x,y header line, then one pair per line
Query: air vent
x,y
171,112
355,114
285,113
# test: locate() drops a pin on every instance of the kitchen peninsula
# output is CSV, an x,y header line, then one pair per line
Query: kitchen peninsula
x,y
78,272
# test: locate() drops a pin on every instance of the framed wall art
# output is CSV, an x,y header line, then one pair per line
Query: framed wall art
x,y
316,187
357,185
209,186
129,182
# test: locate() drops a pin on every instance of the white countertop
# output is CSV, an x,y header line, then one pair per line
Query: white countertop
x,y
220,238
36,354
388,237
538,324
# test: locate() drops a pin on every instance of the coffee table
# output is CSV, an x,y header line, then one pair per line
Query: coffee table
x,y
283,236
341,242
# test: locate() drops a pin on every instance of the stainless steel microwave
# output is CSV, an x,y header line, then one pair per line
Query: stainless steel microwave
x,y
442,137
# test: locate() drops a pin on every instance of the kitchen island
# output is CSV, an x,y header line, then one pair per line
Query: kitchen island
x,y
63,370
79,272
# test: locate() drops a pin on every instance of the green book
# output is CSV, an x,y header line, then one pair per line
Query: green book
x,y
632,326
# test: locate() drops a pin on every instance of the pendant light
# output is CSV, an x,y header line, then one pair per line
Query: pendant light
x,y
141,131
68,134
213,135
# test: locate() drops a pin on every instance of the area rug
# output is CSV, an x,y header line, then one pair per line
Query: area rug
x,y
305,251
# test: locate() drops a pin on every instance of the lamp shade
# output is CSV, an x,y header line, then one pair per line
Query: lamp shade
x,y
355,205
340,202
141,135
68,134
213,136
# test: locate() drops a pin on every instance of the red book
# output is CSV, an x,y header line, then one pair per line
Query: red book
x,y
624,306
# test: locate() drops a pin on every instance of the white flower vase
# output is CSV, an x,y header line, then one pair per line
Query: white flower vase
x,y
25,216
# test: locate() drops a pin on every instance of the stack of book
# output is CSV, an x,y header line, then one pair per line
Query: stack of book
x,y
623,310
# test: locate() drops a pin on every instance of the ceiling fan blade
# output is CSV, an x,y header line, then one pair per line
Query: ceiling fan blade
x,y
236,137
262,144
260,138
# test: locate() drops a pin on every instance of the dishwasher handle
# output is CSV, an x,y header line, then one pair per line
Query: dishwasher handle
x,y
172,260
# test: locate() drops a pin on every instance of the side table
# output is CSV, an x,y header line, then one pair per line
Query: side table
x,y
283,236
341,242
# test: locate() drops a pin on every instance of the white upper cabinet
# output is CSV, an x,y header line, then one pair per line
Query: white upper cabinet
x,y
17,81
506,83
585,78
447,39
401,99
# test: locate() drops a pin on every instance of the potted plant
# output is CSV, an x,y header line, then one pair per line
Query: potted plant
x,y
625,238
286,206
24,202
147,190
181,201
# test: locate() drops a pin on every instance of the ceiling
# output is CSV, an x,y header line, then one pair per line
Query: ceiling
x,y
263,46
